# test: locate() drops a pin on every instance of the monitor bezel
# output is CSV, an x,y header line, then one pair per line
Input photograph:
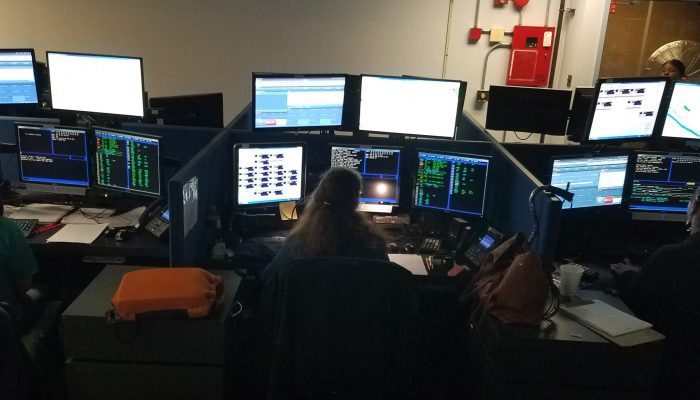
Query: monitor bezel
x,y
234,169
566,108
97,185
97,113
5,106
458,111
673,139
304,128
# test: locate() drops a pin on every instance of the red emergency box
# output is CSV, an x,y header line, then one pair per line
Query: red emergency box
x,y
531,55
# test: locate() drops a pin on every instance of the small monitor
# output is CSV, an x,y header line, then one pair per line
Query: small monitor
x,y
627,109
595,180
289,102
17,78
663,184
190,110
127,161
379,167
96,83
268,173
409,106
683,116
53,158
451,182
534,110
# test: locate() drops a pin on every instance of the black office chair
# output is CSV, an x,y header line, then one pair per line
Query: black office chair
x,y
14,382
344,328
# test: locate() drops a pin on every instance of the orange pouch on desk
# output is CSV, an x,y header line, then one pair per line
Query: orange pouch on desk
x,y
190,292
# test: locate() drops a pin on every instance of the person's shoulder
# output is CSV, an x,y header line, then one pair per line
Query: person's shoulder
x,y
6,225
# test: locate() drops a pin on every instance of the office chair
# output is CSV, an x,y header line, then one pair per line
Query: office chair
x,y
14,382
343,328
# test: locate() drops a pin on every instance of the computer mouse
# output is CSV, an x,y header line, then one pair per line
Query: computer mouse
x,y
123,235
392,247
409,248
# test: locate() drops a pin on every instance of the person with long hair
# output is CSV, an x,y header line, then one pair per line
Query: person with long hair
x,y
330,225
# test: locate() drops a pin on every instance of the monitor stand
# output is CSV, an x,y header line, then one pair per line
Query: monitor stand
x,y
375,208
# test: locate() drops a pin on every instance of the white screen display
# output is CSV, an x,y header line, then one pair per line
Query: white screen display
x,y
409,106
269,174
626,110
92,83
683,118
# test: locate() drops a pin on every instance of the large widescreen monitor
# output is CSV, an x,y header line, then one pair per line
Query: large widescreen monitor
x,y
595,180
627,109
663,184
189,110
289,102
17,78
96,83
683,116
266,174
127,161
451,182
410,106
521,109
53,158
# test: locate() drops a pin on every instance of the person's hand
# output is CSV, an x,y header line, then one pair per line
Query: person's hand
x,y
621,268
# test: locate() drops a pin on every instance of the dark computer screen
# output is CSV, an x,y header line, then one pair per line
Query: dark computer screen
x,y
537,110
451,182
53,155
17,79
282,101
683,116
191,110
663,182
595,180
268,173
379,167
127,161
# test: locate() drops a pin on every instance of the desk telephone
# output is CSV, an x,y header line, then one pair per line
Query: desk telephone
x,y
156,218
475,243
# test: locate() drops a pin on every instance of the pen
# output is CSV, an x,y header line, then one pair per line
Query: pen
x,y
46,228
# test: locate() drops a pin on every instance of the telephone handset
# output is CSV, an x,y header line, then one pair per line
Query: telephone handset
x,y
475,244
155,218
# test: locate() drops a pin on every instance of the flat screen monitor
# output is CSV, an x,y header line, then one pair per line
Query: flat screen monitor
x,y
409,106
595,180
627,109
190,110
534,110
53,158
289,102
683,116
127,161
17,78
451,182
580,109
96,83
379,167
663,184
268,173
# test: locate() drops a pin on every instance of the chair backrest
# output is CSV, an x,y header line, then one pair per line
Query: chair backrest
x,y
13,379
344,328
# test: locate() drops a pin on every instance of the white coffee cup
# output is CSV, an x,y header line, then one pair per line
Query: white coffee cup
x,y
570,275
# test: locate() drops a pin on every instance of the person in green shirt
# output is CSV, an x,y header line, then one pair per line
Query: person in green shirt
x,y
17,268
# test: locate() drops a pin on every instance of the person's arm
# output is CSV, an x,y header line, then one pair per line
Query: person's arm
x,y
639,289
21,262
285,254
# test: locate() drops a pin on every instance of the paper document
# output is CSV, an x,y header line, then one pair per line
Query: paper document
x,y
412,262
129,218
88,216
45,213
77,233
606,318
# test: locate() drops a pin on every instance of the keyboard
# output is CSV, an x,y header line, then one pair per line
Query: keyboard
x,y
25,225
430,245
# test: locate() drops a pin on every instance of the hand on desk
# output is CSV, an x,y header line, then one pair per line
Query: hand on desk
x,y
621,268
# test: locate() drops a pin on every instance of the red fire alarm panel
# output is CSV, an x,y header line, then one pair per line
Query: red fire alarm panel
x,y
530,56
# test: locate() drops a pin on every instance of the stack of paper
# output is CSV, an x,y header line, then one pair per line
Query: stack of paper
x,y
411,262
45,213
606,318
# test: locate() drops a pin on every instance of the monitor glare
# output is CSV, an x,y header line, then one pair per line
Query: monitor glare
x,y
595,181
409,106
96,83
663,184
205,110
127,161
53,157
17,79
379,167
267,173
298,101
683,117
521,109
626,109
451,182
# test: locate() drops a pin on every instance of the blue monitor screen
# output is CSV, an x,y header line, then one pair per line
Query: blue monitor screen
x,y
17,81
379,168
683,117
298,101
451,182
594,181
664,182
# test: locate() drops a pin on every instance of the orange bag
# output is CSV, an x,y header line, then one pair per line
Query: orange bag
x,y
190,291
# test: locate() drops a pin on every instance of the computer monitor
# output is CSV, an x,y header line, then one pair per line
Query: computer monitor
x,y
580,109
96,83
451,182
522,109
663,184
596,180
53,158
268,173
627,109
190,110
683,116
380,170
127,161
289,102
17,78
409,106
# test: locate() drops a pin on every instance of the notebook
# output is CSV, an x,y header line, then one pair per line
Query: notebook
x,y
606,318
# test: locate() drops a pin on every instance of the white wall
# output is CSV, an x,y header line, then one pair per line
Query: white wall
x,y
200,46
